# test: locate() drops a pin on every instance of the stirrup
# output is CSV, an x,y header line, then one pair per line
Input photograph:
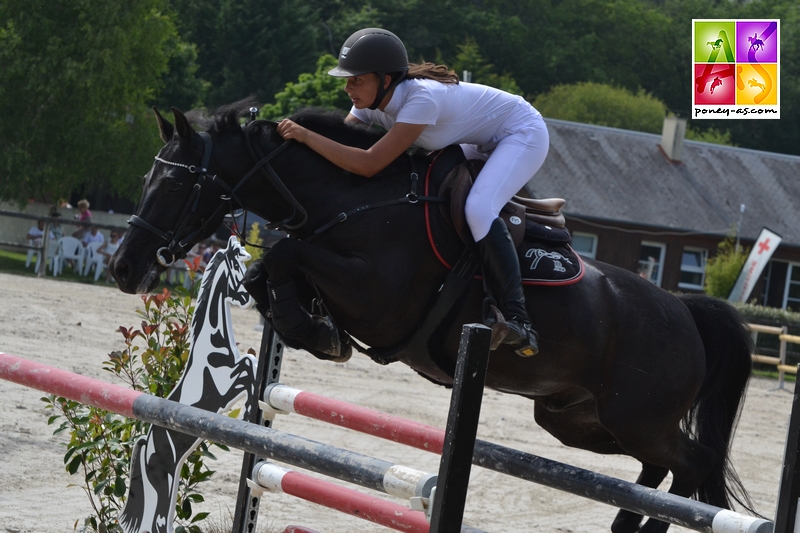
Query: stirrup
x,y
499,326
331,344
523,337
515,333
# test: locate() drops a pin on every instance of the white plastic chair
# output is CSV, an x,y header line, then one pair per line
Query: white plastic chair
x,y
51,255
31,253
69,248
92,258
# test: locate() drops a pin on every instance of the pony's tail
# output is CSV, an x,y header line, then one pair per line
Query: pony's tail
x,y
714,415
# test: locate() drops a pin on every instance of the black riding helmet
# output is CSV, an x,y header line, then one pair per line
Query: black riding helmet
x,y
373,50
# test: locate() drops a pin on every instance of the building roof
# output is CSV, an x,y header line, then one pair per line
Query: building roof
x,y
624,176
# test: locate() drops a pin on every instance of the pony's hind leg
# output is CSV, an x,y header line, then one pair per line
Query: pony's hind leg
x,y
628,521
688,460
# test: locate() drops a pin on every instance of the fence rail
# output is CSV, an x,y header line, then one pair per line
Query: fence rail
x,y
778,362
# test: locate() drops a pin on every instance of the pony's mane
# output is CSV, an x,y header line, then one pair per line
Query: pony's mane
x,y
223,119
331,124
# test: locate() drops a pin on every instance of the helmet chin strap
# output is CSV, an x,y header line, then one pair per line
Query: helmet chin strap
x,y
383,91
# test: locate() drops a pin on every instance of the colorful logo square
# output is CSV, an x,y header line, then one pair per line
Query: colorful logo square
x,y
716,84
757,41
755,84
736,69
713,41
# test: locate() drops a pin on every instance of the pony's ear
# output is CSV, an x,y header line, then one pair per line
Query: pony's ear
x,y
165,129
182,126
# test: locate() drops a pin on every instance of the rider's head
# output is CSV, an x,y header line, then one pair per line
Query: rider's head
x,y
373,50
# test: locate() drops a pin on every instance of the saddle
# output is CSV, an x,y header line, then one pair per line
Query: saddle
x,y
458,181
537,227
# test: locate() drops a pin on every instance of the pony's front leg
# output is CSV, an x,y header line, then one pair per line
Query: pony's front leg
x,y
270,283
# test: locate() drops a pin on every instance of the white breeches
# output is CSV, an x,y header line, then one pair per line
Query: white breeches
x,y
520,152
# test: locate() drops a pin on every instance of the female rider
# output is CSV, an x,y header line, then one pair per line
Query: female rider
x,y
426,106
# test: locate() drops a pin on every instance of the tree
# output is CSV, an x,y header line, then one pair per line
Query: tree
x,y
722,270
75,79
470,59
317,90
600,104
249,46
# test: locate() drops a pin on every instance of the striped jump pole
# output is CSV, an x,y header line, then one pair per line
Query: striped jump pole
x,y
338,463
585,483
391,515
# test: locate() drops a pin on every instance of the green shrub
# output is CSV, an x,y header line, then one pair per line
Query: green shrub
x,y
100,443
723,269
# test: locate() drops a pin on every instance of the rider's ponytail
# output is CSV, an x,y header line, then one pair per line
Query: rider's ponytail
x,y
429,71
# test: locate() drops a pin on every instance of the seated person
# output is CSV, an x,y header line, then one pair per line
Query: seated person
x,y
36,234
55,227
93,235
108,248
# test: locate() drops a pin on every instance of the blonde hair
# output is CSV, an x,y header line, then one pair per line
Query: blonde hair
x,y
84,203
430,71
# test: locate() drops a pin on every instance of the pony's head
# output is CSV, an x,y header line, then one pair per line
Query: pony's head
x,y
184,200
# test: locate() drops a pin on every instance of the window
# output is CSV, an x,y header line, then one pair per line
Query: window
x,y
585,244
792,298
693,268
651,259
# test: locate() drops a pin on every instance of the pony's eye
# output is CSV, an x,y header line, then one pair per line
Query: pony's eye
x,y
174,185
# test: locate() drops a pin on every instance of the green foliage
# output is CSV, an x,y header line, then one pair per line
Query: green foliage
x,y
710,135
83,73
74,84
600,104
254,237
317,90
469,58
249,46
722,270
771,316
99,443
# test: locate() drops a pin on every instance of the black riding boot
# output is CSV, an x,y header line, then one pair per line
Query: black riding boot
x,y
503,277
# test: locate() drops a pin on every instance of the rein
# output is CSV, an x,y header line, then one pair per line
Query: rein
x,y
411,198
178,247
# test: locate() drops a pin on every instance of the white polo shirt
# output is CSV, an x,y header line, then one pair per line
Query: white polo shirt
x,y
463,113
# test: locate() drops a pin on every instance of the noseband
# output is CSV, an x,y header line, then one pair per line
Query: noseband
x,y
178,246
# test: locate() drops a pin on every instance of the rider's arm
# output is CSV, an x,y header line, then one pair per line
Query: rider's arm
x,y
356,160
352,119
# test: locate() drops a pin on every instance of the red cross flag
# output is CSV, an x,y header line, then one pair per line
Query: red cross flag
x,y
759,257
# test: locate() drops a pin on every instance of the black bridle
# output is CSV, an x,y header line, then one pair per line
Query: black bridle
x,y
179,245
178,242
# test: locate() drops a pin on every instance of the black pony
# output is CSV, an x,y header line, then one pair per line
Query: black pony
x,y
624,366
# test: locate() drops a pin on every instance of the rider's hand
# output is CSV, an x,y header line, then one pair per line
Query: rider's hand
x,y
291,130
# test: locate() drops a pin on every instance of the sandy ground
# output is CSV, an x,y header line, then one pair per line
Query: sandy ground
x,y
73,326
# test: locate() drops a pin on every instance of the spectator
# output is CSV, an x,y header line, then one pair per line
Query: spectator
x,y
209,252
36,233
35,238
83,215
55,227
93,235
108,248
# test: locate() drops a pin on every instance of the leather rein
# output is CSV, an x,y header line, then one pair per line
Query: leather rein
x,y
179,239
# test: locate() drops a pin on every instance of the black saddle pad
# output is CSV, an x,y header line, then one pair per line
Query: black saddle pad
x,y
546,257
